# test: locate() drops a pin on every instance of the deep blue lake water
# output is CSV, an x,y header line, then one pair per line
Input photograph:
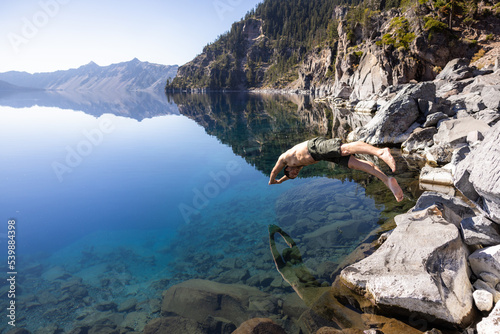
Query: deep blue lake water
x,y
126,197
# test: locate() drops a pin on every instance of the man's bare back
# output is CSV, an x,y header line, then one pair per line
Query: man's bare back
x,y
299,156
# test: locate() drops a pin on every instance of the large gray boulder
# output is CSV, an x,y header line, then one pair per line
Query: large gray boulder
x,y
491,97
456,69
392,124
455,131
478,175
427,276
454,209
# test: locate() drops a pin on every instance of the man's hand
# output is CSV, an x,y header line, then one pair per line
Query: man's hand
x,y
274,181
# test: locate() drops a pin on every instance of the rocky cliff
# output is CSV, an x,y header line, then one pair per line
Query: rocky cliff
x,y
355,54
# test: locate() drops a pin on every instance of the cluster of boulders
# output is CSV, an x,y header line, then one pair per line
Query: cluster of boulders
x,y
441,264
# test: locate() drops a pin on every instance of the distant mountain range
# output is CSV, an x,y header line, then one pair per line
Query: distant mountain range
x,y
133,75
5,86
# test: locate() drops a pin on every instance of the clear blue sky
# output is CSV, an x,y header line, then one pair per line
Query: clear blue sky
x,y
49,35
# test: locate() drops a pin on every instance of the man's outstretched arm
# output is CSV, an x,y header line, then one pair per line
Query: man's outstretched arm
x,y
280,164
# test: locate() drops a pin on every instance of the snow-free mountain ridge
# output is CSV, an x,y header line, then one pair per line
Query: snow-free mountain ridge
x,y
132,75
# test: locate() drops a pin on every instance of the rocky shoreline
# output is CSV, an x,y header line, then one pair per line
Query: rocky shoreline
x,y
452,280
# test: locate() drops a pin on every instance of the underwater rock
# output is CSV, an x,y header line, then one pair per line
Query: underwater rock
x,y
197,299
293,305
394,279
259,326
135,321
75,288
19,331
128,305
101,323
174,324
106,306
55,273
50,329
330,330
261,279
231,263
233,276
80,330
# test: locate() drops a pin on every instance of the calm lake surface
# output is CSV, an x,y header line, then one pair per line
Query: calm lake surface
x,y
121,197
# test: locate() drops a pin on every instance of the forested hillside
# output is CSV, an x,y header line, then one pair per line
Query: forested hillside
x,y
301,44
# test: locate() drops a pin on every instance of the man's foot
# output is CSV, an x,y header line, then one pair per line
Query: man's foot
x,y
393,185
388,158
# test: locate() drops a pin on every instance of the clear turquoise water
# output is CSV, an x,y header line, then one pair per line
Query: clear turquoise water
x,y
129,206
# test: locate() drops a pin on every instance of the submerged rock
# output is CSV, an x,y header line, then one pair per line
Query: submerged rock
x,y
258,326
175,324
197,299
427,276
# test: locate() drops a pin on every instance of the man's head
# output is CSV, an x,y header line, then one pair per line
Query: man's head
x,y
292,172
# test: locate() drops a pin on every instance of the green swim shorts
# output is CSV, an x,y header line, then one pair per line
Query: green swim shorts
x,y
321,149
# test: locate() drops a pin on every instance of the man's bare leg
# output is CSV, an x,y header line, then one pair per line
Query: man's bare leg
x,y
372,169
361,147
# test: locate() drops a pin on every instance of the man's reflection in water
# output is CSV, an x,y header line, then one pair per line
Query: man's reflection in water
x,y
320,298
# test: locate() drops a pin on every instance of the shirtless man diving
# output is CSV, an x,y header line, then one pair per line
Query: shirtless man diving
x,y
318,149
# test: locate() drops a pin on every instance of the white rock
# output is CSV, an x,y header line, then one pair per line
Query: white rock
x,y
483,300
490,324
486,259
436,176
447,190
428,275
482,285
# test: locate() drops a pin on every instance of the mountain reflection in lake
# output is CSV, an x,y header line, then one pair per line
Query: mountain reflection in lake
x,y
171,189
